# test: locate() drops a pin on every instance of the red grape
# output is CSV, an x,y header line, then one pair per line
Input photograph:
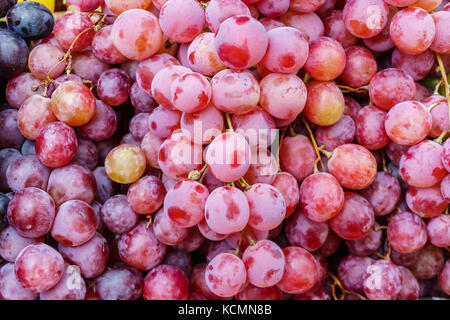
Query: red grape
x,y
426,202
25,172
69,27
365,18
351,271
299,167
325,103
438,231
11,288
406,232
383,280
12,243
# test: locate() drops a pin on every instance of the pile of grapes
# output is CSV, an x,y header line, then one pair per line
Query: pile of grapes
x,y
225,149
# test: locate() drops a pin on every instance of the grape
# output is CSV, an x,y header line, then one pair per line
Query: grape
x,y
356,218
410,286
412,30
426,202
182,30
30,20
161,87
61,79
335,28
270,23
91,257
236,92
140,248
365,19
104,49
25,172
34,114
384,193
342,132
305,233
13,56
264,170
226,275
443,279
383,280
390,87
438,231
39,267
198,283
360,67
72,182
106,188
272,8
139,126
353,166
136,34
287,90
370,131
193,241
10,135
429,262
146,195
316,293
119,282
351,271
417,66
428,5
31,212
267,207
208,233
351,107
148,69
166,231
178,156
43,61
114,87
117,214
71,25
308,23
301,272
440,43
241,42
85,5
102,125
382,41
189,211
265,263
163,122
326,60
325,103
10,287
180,259
367,245
118,7
86,65
20,89
11,243
439,115
70,287
125,164
331,245
299,167
5,6
254,293
321,197
202,56
421,166
7,156
228,157
406,232
227,210
218,11
141,100
446,155
208,122
445,189
196,98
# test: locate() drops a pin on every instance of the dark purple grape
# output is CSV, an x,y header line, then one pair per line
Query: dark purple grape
x,y
13,54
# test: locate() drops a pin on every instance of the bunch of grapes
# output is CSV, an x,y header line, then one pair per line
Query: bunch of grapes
x,y
225,149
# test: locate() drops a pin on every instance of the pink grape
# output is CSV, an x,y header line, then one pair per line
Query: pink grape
x,y
166,231
256,126
321,197
272,8
342,132
446,155
351,271
370,130
33,115
288,186
309,24
384,193
163,122
193,241
270,23
7,156
351,107
445,183
367,245
356,218
360,67
117,214
209,121
410,285
146,195
39,267
118,7
264,170
417,66
412,30
439,114
150,146
119,282
139,125
63,291
11,288
301,272
383,280
85,5
226,275
86,65
390,87
71,25
21,88
162,83
198,282
25,172
91,257
265,263
190,92
365,18
325,103
335,28
104,49
241,42
136,34
43,59
406,232
438,231
31,212
140,248
102,125
141,100
208,233
166,282
236,92
382,41
114,87
440,43
305,233
421,166
429,262
444,278
12,243
218,11
299,167
202,55
426,202
227,210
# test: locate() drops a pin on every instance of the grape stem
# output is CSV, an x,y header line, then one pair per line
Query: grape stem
x,y
385,169
435,104
306,78
387,256
378,228
344,292
279,147
250,239
436,88
346,89
245,184
316,148
230,125
149,222
446,211
444,78
198,175
441,138
238,249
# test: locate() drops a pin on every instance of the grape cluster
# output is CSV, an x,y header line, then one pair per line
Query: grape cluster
x,y
225,149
